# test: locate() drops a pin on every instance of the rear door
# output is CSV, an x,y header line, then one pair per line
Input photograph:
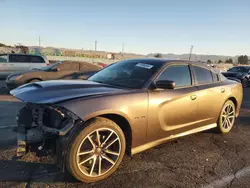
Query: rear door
x,y
18,63
211,94
36,62
173,111
4,71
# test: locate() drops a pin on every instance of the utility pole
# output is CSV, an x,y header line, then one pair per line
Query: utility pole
x,y
39,41
191,49
122,49
95,45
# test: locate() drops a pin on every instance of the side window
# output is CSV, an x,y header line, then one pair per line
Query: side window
x,y
19,58
37,59
202,75
3,58
180,74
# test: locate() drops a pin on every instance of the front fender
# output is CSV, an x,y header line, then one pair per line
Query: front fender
x,y
133,107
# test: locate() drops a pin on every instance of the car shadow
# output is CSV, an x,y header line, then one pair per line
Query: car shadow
x,y
20,171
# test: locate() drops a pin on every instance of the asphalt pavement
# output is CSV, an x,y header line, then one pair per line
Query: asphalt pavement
x,y
201,160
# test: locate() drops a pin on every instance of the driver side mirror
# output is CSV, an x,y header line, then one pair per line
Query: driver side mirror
x,y
165,84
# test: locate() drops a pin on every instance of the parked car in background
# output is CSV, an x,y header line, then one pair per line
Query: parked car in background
x,y
11,63
241,73
101,64
129,106
59,70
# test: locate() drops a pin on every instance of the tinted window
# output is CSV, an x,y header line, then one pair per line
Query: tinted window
x,y
202,75
19,58
180,74
239,69
37,59
3,58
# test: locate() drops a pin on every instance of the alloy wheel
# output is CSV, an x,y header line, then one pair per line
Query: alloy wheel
x,y
228,117
98,152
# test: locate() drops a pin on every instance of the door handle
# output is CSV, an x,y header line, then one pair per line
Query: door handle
x,y
193,97
222,90
11,64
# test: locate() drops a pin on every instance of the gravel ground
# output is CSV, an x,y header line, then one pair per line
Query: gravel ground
x,y
202,160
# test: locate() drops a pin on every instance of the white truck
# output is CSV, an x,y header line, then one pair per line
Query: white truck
x,y
12,62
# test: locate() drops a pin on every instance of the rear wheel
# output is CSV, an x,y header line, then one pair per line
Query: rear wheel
x,y
227,117
96,151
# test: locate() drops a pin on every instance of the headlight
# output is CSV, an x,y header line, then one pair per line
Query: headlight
x,y
18,77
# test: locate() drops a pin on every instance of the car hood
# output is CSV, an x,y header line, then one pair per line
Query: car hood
x,y
24,72
55,91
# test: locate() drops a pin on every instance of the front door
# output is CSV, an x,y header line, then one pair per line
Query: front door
x,y
172,111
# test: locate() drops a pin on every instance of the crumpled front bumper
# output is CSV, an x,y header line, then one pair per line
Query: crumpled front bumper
x,y
32,130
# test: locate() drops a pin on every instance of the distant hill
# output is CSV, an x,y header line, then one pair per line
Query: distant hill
x,y
198,57
103,54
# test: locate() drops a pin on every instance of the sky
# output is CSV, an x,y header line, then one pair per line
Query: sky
x,y
213,27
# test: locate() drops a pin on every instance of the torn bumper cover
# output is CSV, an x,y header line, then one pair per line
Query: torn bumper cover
x,y
39,123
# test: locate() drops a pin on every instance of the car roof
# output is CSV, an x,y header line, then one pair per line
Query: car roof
x,y
22,54
163,61
247,67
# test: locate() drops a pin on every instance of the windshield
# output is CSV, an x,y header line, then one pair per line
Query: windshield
x,y
238,69
50,66
127,73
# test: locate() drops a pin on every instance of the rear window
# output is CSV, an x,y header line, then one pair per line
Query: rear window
x,y
19,58
37,59
3,58
202,75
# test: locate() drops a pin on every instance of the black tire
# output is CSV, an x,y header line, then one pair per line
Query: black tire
x,y
76,144
221,124
244,82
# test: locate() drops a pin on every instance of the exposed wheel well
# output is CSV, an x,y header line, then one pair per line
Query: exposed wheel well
x,y
125,126
234,101
34,79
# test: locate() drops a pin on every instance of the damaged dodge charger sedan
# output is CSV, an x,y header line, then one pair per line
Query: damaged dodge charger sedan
x,y
127,107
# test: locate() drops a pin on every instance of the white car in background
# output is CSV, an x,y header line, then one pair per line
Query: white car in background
x,y
11,63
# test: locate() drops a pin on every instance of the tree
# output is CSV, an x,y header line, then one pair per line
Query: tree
x,y
229,61
209,62
4,45
158,55
243,59
219,61
23,49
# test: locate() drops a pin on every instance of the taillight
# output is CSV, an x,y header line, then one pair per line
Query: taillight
x,y
47,64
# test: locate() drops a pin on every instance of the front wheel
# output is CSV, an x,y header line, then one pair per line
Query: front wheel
x,y
227,117
96,150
